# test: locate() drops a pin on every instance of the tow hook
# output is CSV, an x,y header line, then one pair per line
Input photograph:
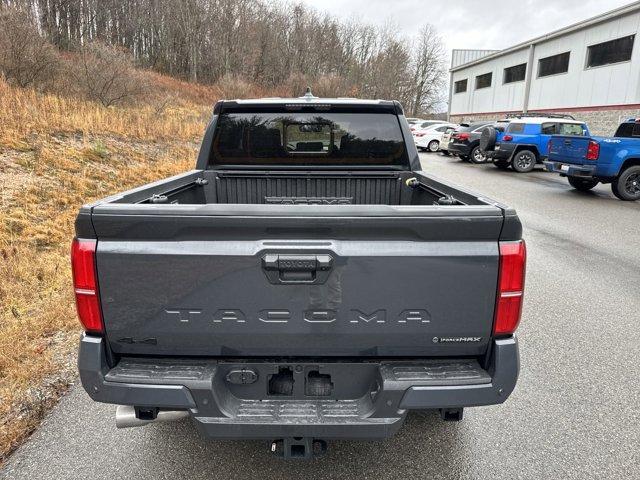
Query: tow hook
x,y
299,448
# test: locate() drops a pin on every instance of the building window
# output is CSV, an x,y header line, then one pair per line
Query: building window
x,y
460,86
483,81
614,51
553,65
515,73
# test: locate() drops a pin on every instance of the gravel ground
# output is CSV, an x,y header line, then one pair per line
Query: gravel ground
x,y
574,413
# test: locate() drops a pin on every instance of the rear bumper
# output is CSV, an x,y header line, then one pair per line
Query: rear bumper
x,y
370,399
570,170
459,148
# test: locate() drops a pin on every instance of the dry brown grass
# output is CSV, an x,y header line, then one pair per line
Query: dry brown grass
x,y
26,113
55,154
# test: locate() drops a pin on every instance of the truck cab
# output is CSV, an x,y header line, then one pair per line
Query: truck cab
x,y
524,141
587,161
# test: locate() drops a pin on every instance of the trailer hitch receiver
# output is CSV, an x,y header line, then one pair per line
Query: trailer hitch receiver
x,y
298,448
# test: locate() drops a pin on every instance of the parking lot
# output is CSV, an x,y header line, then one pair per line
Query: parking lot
x,y
574,413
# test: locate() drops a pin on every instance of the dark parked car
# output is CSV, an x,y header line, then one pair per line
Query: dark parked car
x,y
306,281
465,142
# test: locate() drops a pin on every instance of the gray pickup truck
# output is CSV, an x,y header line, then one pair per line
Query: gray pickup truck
x,y
306,282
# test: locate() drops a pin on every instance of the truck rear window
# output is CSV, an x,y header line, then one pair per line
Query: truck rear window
x,y
628,130
314,138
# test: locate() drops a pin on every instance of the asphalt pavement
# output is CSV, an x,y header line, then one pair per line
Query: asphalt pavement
x,y
575,412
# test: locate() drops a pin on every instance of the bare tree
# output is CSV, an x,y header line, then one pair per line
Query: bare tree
x,y
107,75
26,58
268,45
428,71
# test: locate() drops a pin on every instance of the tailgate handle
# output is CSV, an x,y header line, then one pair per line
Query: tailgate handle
x,y
567,141
287,269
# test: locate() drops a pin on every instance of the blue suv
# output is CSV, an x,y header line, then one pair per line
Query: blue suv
x,y
524,142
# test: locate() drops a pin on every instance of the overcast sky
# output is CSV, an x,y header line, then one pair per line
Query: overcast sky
x,y
474,24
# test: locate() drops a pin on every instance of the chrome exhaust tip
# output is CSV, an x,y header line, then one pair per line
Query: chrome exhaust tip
x,y
126,417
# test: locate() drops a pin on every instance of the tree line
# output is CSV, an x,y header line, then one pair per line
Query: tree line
x,y
278,46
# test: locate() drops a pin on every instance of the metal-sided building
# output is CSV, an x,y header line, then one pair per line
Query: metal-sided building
x,y
590,70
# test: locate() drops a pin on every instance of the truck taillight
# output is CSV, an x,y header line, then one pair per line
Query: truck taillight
x,y
593,150
85,285
513,258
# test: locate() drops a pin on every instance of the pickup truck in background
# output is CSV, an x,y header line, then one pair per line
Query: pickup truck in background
x,y
305,282
587,161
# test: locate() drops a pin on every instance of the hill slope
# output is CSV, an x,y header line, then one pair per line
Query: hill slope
x,y
55,154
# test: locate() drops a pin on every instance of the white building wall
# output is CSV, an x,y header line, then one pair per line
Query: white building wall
x,y
579,88
582,87
497,98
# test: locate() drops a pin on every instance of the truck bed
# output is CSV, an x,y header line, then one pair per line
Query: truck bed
x,y
208,264
295,188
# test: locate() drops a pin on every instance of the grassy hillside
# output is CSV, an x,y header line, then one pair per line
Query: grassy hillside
x,y
55,154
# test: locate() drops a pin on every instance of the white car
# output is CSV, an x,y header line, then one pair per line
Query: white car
x,y
429,138
413,120
446,138
422,124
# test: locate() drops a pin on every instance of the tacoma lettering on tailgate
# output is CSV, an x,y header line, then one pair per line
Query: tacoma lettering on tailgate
x,y
231,315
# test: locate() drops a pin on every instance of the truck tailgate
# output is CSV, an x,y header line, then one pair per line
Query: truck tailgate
x,y
243,285
568,149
